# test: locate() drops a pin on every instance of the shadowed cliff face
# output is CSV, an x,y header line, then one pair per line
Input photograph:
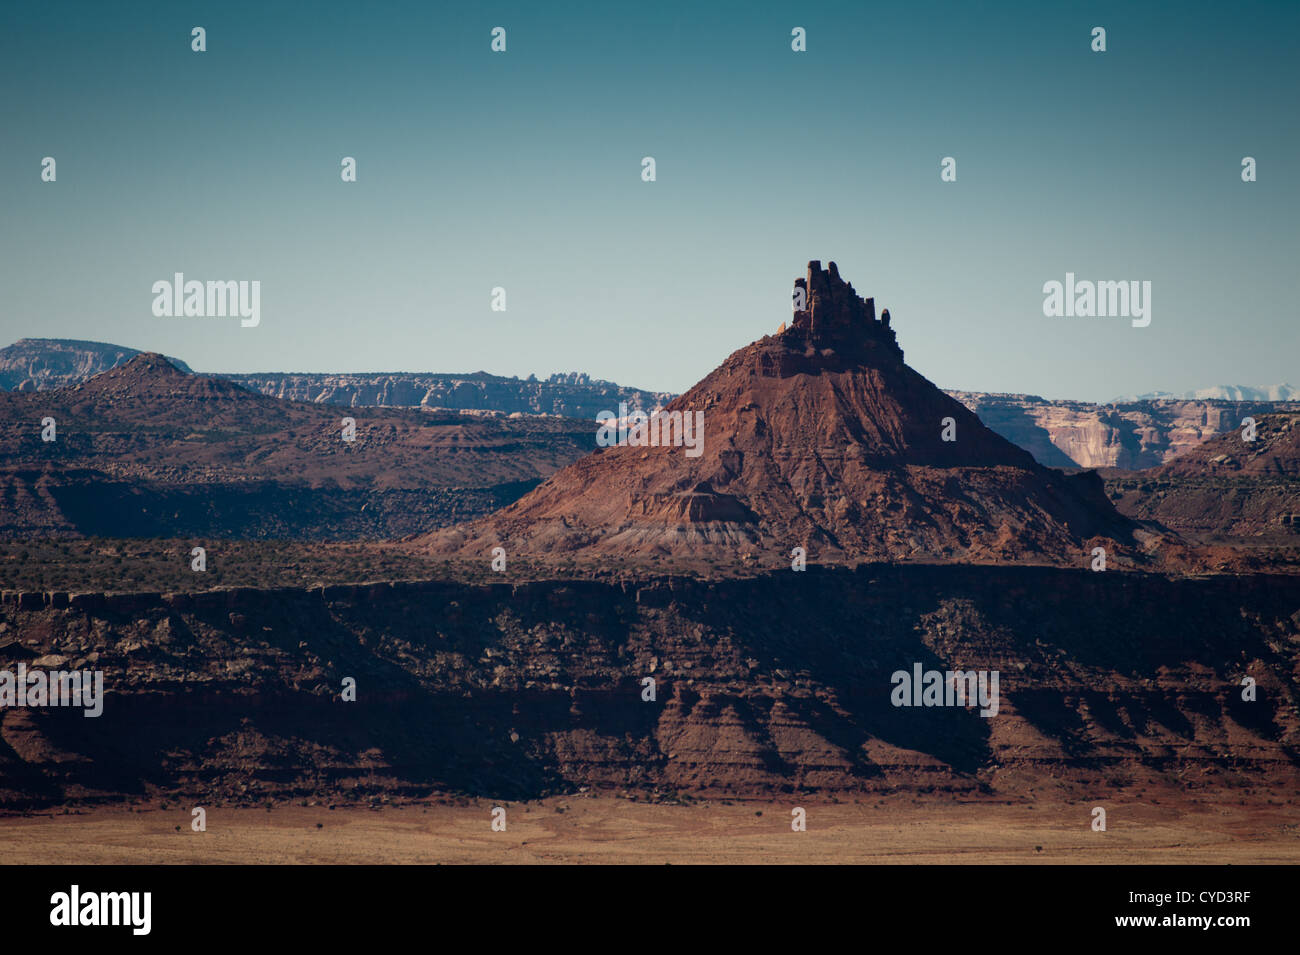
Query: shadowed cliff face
x,y
764,685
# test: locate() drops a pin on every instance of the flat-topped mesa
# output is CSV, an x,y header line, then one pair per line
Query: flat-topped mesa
x,y
835,315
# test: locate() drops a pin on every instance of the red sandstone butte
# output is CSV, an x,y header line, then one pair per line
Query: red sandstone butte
x,y
821,437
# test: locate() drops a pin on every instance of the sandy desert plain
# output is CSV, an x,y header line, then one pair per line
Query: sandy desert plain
x,y
1211,829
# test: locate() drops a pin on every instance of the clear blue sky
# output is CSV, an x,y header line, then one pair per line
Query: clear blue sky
x,y
522,170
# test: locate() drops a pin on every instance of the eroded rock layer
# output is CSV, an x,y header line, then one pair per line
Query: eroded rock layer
x,y
766,684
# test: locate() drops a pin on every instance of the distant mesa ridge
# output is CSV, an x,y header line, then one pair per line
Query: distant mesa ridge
x,y
1128,434
35,364
1279,392
38,364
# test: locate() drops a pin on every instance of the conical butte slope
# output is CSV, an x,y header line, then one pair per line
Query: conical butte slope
x,y
820,437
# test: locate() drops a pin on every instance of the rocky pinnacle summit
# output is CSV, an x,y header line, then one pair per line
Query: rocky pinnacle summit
x,y
835,315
